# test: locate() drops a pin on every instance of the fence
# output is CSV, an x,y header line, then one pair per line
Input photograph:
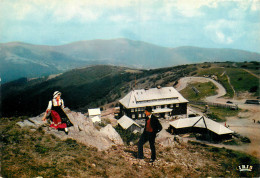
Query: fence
x,y
230,106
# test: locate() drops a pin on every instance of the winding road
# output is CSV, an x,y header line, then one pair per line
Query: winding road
x,y
183,82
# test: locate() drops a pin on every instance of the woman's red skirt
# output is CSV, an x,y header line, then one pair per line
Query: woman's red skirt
x,y
56,121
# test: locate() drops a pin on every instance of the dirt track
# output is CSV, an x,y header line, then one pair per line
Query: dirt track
x,y
243,124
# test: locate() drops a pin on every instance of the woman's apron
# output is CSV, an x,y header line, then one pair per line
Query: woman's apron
x,y
59,118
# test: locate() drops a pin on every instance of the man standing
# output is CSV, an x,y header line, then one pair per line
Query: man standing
x,y
152,127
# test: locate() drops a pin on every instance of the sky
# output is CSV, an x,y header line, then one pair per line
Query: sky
x,y
168,23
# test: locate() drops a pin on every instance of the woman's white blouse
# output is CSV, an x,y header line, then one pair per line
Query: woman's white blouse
x,y
61,103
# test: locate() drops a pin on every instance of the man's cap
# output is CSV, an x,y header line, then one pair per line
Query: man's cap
x,y
148,108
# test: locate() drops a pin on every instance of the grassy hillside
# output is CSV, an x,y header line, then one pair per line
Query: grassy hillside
x,y
31,153
98,85
84,88
233,75
204,89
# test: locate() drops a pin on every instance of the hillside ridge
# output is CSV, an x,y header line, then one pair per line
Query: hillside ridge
x,y
28,60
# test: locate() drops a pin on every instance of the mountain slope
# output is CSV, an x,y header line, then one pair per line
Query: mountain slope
x,y
26,60
145,55
81,88
99,85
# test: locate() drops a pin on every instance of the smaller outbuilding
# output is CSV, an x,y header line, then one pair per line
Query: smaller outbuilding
x,y
95,115
94,112
129,124
96,119
201,125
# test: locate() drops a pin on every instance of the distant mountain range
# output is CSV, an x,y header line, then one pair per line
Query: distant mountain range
x,y
26,60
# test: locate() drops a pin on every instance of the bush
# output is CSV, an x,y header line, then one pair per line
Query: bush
x,y
253,89
40,148
127,136
214,149
214,117
71,142
245,140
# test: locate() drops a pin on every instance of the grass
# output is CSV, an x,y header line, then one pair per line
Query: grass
x,y
27,153
217,71
224,112
32,154
205,89
216,113
241,80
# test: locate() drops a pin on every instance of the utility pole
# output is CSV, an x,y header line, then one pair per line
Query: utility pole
x,y
135,81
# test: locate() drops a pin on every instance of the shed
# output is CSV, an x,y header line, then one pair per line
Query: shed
x,y
201,124
96,119
128,124
94,112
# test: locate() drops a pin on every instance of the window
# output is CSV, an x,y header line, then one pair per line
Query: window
x,y
177,105
132,110
133,116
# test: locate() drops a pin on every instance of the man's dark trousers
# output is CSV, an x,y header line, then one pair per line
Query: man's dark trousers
x,y
147,136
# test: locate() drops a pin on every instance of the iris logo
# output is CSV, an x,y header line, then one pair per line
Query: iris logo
x,y
242,168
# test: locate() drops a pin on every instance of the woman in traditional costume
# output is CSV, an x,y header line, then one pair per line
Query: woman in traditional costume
x,y
59,119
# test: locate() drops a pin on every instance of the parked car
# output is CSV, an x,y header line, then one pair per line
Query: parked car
x,y
229,102
192,115
252,102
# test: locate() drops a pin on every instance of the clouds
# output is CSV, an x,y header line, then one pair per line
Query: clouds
x,y
90,10
224,31
186,22
130,10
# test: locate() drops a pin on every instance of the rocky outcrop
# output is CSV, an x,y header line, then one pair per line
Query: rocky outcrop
x,y
112,134
82,131
32,122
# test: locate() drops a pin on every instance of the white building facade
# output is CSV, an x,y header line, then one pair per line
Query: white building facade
x,y
165,101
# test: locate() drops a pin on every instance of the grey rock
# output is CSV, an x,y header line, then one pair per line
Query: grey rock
x,y
37,121
21,124
112,134
82,131
26,123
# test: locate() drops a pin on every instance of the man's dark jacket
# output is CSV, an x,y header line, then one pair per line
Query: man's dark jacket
x,y
155,124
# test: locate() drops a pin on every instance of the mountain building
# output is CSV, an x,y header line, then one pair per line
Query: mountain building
x,y
128,124
165,101
95,115
201,125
